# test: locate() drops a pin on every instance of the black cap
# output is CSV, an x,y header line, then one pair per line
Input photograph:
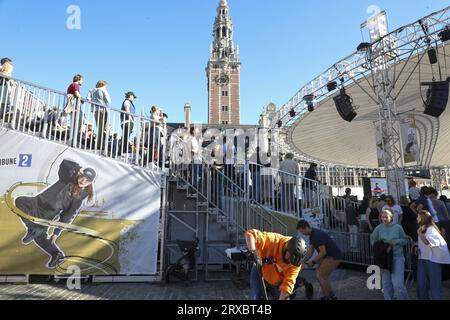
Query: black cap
x,y
89,174
5,60
130,93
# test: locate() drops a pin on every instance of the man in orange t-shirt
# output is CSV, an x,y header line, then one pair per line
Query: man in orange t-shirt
x,y
279,257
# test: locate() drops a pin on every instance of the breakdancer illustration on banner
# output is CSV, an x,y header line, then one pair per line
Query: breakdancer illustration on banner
x,y
60,202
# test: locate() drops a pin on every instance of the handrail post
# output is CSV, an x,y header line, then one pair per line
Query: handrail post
x,y
15,105
246,190
74,131
45,125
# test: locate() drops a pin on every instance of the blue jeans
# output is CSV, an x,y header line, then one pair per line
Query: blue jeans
x,y
394,282
429,280
256,288
197,176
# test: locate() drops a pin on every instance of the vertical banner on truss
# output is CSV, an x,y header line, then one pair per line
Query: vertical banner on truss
x,y
380,143
409,139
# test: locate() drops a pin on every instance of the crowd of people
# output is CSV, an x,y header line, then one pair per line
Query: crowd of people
x,y
277,185
90,116
423,219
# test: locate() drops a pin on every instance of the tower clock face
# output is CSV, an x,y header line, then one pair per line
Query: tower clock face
x,y
222,79
223,42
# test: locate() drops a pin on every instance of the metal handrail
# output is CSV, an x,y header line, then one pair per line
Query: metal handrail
x,y
281,223
229,187
82,99
26,107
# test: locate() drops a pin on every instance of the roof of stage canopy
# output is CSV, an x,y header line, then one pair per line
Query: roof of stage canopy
x,y
323,136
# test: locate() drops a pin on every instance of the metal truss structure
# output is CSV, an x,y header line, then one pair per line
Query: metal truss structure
x,y
377,66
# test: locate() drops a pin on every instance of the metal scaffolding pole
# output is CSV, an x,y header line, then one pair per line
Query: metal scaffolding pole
x,y
382,61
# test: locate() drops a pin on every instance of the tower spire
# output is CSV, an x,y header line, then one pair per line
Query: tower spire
x,y
223,45
223,71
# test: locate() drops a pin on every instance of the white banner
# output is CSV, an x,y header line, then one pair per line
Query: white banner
x,y
380,143
61,207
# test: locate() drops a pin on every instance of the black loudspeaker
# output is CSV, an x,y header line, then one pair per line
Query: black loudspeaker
x,y
445,35
344,106
437,98
432,55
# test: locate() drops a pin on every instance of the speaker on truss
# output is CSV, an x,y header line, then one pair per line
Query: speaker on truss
x,y
445,34
344,106
437,97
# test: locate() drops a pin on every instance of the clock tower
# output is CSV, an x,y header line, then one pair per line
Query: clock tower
x,y
223,72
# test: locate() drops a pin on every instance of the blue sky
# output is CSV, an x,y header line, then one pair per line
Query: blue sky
x,y
159,49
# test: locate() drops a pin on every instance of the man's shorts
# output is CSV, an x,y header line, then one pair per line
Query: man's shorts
x,y
327,266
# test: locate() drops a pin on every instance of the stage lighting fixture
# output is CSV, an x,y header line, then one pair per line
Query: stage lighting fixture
x,y
331,86
445,35
309,100
432,55
364,46
292,113
437,97
344,106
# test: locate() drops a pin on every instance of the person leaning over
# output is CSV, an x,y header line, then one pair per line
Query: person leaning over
x,y
280,259
328,258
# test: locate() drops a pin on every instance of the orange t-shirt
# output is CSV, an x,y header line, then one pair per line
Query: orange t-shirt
x,y
280,273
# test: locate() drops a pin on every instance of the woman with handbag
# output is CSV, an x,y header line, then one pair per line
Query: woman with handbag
x,y
393,235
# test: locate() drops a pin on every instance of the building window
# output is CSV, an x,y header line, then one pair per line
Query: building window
x,y
224,93
224,108
224,122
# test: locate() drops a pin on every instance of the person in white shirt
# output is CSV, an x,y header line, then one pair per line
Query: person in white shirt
x,y
196,157
395,208
433,253
101,100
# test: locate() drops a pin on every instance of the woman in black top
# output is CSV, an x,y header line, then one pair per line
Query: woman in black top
x,y
373,215
409,220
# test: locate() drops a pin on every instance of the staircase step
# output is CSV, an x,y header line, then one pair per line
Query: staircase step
x,y
213,211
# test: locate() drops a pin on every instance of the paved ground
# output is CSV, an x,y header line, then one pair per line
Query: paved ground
x,y
349,285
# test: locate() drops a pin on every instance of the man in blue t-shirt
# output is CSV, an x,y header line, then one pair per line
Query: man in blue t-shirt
x,y
328,258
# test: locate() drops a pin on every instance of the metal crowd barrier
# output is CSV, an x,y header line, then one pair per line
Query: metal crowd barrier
x,y
357,249
334,213
281,191
91,127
